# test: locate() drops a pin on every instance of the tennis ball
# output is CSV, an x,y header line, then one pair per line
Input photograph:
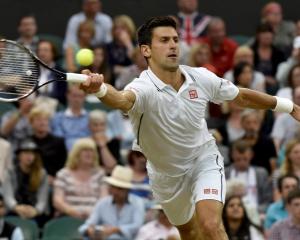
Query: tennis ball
x,y
85,57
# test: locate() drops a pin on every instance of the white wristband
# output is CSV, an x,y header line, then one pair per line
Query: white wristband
x,y
283,105
102,92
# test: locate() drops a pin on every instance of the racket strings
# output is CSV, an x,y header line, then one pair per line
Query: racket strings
x,y
18,71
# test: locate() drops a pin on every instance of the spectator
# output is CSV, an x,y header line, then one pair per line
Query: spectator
x,y
255,179
52,148
200,56
284,68
127,74
7,230
106,219
72,123
27,29
245,54
266,56
91,10
79,184
25,188
159,228
222,47
289,228
236,222
277,211
243,75
192,24
5,158
47,52
15,125
108,148
262,145
284,31
121,49
85,34
137,162
285,128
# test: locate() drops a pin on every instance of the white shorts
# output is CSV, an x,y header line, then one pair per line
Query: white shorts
x,y
179,195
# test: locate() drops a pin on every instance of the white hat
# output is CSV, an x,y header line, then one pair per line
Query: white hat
x,y
296,43
120,177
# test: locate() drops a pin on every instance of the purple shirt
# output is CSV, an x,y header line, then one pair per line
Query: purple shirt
x,y
285,230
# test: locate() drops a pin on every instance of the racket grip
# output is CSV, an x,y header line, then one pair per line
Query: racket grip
x,y
76,77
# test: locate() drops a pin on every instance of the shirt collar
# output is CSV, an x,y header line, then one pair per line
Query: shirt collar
x,y
69,113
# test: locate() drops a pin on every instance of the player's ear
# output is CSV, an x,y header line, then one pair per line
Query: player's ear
x,y
146,51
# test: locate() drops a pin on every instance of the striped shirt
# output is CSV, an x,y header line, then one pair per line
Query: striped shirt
x,y
80,194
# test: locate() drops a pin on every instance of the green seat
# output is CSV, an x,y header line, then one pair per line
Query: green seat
x,y
29,227
65,228
240,39
5,107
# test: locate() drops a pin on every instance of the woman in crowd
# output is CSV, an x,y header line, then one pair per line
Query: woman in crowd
x,y
243,75
79,184
25,188
236,222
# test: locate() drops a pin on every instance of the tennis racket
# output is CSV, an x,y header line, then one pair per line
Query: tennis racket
x,y
20,70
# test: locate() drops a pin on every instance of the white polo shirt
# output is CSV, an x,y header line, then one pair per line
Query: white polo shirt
x,y
170,126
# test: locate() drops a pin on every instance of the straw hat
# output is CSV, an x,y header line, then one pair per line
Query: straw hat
x,y
121,177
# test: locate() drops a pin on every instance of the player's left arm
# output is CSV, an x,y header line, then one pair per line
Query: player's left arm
x,y
248,98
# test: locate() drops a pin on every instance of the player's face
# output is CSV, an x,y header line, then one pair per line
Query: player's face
x,y
164,49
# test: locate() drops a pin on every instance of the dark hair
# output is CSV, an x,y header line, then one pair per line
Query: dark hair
x,y
290,77
241,146
144,32
238,70
264,27
293,195
132,155
53,47
28,15
244,228
283,177
1,198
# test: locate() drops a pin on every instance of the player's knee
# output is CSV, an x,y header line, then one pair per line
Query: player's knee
x,y
210,226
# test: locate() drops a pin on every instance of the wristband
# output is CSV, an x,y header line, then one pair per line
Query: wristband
x,y
102,91
283,105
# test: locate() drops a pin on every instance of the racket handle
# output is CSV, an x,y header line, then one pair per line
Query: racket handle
x,y
76,77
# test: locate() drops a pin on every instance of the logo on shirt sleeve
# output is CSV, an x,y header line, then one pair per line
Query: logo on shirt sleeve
x,y
193,94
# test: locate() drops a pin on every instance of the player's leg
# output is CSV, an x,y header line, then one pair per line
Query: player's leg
x,y
190,230
209,218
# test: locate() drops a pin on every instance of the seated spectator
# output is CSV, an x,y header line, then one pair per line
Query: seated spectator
x,y
236,222
255,179
106,220
137,162
72,123
284,68
243,75
200,56
277,211
288,228
264,151
285,128
7,230
52,149
15,125
47,52
27,29
25,188
245,54
159,228
121,48
284,31
85,34
266,56
127,74
91,10
79,185
106,146
222,47
6,161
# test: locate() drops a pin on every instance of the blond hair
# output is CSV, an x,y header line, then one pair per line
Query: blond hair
x,y
127,22
242,50
287,165
79,145
38,112
194,50
97,115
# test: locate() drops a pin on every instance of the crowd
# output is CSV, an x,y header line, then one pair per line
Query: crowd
x,y
60,157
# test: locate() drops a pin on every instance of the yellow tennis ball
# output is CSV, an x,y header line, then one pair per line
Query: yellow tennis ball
x,y
85,57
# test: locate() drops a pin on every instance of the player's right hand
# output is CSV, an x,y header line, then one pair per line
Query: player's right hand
x,y
93,83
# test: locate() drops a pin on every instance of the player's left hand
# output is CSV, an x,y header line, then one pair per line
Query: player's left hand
x,y
296,112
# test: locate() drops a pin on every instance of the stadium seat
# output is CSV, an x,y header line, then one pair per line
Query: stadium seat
x,y
65,228
241,39
29,227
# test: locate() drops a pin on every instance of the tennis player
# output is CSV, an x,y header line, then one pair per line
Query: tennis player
x,y
166,105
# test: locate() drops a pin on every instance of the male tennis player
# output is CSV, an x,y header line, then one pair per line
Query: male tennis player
x,y
166,105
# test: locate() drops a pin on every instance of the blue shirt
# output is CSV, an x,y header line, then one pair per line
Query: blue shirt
x,y
275,212
129,219
70,127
